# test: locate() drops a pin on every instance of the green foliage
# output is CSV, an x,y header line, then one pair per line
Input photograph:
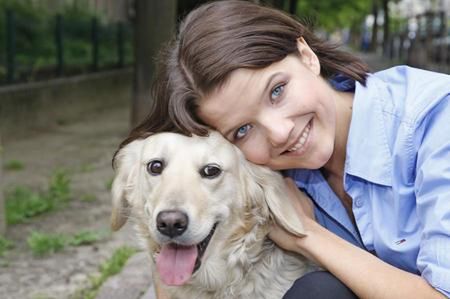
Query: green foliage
x,y
59,188
22,203
107,269
84,238
331,15
88,198
5,245
14,165
42,244
109,183
35,27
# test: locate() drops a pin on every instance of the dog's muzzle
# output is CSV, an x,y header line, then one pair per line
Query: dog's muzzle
x,y
175,262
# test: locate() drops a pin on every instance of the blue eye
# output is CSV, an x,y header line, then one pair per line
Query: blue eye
x,y
276,92
242,131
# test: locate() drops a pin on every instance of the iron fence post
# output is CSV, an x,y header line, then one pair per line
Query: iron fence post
x,y
94,37
59,45
10,46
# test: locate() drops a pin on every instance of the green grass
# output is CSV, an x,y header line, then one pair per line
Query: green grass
x,y
109,183
109,268
88,198
14,165
23,203
5,245
84,238
87,168
43,244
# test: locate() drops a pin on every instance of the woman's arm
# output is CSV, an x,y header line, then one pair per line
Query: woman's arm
x,y
365,274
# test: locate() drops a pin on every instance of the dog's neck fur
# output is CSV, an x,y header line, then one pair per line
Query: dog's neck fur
x,y
249,267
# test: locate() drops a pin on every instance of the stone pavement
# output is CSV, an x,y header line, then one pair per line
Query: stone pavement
x,y
133,282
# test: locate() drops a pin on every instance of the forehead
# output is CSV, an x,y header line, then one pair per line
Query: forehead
x,y
224,106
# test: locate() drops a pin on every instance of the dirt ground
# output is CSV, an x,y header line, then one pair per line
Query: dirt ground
x,y
84,149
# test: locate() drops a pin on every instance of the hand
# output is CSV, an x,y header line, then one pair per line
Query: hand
x,y
305,211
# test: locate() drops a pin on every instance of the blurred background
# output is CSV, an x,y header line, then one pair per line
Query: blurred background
x,y
75,77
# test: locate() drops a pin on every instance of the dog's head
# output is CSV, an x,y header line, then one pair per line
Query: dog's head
x,y
190,195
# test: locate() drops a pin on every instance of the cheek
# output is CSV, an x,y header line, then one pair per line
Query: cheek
x,y
256,152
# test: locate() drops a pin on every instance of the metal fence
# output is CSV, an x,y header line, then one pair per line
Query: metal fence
x,y
426,46
32,50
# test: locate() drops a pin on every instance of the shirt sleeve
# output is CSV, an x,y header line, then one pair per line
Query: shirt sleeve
x,y
432,187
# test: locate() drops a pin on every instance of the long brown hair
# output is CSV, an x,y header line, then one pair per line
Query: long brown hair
x,y
218,38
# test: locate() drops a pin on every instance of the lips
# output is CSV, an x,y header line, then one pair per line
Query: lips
x,y
301,141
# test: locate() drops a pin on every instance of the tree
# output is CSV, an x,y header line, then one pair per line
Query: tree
x,y
154,25
374,41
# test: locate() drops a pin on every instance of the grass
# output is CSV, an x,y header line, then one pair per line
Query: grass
x,y
109,268
87,168
109,183
42,244
22,203
5,245
84,238
88,198
14,165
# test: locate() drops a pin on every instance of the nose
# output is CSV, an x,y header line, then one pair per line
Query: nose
x,y
278,130
172,223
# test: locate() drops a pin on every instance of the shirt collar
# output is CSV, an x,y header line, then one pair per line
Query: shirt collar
x,y
368,154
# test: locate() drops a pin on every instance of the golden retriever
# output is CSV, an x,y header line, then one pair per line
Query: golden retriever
x,y
203,213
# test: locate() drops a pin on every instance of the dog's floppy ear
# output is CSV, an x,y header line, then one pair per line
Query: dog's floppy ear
x,y
126,166
275,195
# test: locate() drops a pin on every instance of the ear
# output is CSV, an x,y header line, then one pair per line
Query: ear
x,y
267,185
307,56
126,165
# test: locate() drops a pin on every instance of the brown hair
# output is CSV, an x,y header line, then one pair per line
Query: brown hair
x,y
218,38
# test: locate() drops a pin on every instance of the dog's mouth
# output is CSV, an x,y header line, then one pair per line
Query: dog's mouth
x,y
176,263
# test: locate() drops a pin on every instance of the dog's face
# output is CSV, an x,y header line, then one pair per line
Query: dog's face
x,y
191,196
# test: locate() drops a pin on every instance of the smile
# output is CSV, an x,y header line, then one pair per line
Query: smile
x,y
301,140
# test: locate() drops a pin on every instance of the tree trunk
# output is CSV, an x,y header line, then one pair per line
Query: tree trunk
x,y
293,7
374,40
154,25
386,26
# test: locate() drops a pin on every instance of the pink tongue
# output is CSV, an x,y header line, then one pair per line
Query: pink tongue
x,y
175,263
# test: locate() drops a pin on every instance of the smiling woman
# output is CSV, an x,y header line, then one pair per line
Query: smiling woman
x,y
372,151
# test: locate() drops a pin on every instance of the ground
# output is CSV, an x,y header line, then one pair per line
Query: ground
x,y
84,149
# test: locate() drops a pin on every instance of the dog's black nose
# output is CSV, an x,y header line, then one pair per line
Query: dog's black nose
x,y
172,223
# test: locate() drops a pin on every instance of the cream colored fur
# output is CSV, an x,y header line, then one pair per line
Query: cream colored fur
x,y
239,262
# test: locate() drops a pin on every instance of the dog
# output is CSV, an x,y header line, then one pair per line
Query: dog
x,y
203,213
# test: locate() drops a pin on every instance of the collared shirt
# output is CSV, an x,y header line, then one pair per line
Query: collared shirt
x,y
397,172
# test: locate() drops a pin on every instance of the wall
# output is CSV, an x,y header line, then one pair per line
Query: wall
x,y
25,108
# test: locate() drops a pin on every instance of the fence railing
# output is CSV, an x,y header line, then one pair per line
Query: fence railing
x,y
30,51
428,46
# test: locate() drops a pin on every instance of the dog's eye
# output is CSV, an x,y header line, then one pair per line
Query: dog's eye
x,y
210,171
155,167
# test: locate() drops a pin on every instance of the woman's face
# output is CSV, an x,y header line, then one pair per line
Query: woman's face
x,y
282,116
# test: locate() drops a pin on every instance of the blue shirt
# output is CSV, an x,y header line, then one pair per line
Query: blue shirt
x,y
397,172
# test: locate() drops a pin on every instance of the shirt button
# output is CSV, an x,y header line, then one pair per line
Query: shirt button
x,y
359,202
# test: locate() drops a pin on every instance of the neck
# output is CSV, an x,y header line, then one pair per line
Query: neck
x,y
335,166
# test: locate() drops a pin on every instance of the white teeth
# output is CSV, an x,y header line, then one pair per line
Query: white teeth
x,y
302,139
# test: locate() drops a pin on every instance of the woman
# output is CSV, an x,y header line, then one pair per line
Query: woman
x,y
370,151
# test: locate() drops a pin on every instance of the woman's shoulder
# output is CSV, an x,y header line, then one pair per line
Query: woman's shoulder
x,y
406,92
